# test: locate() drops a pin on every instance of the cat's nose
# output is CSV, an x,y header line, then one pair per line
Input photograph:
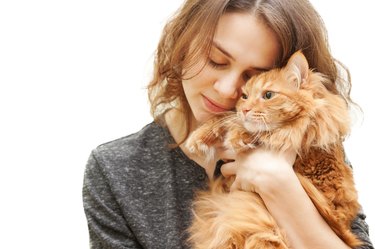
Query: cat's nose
x,y
245,111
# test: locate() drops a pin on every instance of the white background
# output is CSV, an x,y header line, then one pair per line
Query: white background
x,y
73,75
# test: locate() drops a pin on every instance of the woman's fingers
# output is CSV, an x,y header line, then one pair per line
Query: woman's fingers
x,y
229,169
256,168
225,154
290,156
235,186
239,185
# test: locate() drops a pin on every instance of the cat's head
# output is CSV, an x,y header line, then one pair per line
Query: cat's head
x,y
294,101
270,100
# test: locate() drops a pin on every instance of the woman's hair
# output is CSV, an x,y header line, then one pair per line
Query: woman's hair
x,y
189,33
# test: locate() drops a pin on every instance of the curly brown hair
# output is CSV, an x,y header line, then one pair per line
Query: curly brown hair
x,y
189,34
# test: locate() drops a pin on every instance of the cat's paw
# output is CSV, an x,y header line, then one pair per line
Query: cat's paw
x,y
238,145
198,147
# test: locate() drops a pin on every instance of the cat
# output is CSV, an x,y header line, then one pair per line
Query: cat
x,y
281,109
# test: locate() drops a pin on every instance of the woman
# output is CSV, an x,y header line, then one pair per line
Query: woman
x,y
138,189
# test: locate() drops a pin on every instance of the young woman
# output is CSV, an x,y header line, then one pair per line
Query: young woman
x,y
138,189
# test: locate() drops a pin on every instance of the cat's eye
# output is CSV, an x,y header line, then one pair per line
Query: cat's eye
x,y
244,96
268,95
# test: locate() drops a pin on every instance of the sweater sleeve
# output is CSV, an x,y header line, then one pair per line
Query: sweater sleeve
x,y
359,225
360,228
107,226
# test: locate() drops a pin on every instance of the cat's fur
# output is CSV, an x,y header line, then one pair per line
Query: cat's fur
x,y
282,109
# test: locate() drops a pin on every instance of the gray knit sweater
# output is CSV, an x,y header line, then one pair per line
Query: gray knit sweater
x,y
137,193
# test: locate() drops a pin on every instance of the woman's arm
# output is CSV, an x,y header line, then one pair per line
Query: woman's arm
x,y
293,210
278,185
107,226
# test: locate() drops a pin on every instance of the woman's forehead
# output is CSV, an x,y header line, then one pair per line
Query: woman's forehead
x,y
247,40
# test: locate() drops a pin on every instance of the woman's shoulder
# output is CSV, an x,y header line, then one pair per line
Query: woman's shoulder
x,y
152,139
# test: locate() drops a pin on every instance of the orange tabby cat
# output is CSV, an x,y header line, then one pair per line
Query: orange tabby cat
x,y
287,108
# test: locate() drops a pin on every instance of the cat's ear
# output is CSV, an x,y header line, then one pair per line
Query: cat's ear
x,y
298,68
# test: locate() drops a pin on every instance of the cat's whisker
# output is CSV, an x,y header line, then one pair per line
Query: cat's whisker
x,y
265,123
257,136
230,118
227,118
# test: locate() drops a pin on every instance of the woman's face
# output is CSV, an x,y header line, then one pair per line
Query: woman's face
x,y
242,46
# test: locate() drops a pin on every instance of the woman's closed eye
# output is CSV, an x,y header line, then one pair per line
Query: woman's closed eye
x,y
217,64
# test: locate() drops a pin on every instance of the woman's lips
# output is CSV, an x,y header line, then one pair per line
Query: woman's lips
x,y
213,106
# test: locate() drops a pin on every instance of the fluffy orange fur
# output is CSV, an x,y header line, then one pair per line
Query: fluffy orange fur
x,y
287,108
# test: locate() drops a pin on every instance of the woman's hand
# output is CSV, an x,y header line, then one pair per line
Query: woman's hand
x,y
271,175
258,170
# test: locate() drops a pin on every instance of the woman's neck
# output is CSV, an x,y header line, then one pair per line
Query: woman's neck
x,y
174,119
177,127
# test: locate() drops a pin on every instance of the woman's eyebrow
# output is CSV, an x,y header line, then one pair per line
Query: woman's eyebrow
x,y
221,49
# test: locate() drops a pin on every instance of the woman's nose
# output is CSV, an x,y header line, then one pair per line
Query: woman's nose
x,y
228,87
